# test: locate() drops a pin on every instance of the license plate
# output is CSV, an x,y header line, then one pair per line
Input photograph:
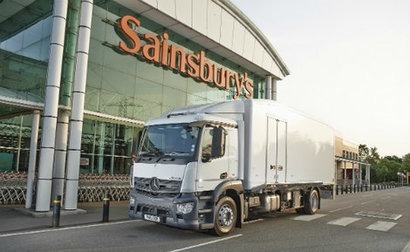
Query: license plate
x,y
153,218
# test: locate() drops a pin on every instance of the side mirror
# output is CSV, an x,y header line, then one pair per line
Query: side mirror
x,y
138,140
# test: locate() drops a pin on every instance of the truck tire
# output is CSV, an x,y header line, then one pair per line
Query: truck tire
x,y
225,216
300,210
311,202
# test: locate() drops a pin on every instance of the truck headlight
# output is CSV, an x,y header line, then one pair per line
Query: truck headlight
x,y
185,208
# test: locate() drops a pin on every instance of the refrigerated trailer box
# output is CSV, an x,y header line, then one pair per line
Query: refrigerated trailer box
x,y
212,166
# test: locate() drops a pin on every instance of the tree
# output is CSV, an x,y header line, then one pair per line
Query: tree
x,y
369,155
405,163
374,155
363,152
386,170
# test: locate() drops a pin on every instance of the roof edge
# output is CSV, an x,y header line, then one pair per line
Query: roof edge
x,y
259,35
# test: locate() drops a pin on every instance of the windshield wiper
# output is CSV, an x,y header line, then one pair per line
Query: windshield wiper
x,y
166,157
152,154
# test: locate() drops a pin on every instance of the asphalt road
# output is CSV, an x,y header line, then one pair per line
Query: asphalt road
x,y
368,221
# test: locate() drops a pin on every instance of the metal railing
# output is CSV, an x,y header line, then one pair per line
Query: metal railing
x,y
346,189
92,187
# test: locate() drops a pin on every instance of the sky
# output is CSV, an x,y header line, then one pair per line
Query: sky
x,y
349,63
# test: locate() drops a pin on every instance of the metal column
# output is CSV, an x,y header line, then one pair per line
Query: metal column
x,y
353,175
76,119
345,172
274,89
33,156
368,174
268,87
60,153
360,174
51,105
62,133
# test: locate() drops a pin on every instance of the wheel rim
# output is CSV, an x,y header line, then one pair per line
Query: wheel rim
x,y
225,216
314,202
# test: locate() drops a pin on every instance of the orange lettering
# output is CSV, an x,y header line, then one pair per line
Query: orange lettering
x,y
175,61
193,65
238,84
151,51
164,51
219,82
249,89
228,79
205,68
132,42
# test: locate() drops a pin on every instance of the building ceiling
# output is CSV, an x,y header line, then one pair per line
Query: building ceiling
x,y
20,14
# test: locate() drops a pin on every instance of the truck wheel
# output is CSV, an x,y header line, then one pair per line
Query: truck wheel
x,y
225,216
300,210
311,202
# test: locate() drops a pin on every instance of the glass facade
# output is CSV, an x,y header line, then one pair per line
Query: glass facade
x,y
118,85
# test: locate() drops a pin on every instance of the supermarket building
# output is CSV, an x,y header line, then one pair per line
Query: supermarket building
x,y
83,76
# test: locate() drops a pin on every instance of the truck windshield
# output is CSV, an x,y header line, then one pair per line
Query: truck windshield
x,y
169,140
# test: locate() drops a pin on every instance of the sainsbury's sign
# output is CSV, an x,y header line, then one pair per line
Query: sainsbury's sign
x,y
155,48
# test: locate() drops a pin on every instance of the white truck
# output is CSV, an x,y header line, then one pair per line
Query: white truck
x,y
214,166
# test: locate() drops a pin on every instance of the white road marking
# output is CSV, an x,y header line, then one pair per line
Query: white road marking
x,y
253,221
64,228
207,243
309,217
340,209
381,226
380,215
406,248
343,221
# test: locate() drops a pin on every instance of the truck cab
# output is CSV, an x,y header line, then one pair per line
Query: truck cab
x,y
182,159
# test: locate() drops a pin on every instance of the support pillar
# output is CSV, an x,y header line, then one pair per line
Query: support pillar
x,y
368,174
274,89
353,175
268,87
43,198
360,174
67,77
35,124
101,148
60,154
345,172
77,111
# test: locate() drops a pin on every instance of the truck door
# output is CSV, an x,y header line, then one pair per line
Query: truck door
x,y
213,166
276,151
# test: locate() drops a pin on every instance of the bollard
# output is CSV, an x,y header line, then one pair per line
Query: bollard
x,y
106,208
55,222
354,188
337,189
350,188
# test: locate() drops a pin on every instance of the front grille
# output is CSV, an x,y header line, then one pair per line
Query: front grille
x,y
157,211
163,188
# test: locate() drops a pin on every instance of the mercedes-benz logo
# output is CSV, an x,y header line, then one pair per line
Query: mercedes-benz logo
x,y
154,184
